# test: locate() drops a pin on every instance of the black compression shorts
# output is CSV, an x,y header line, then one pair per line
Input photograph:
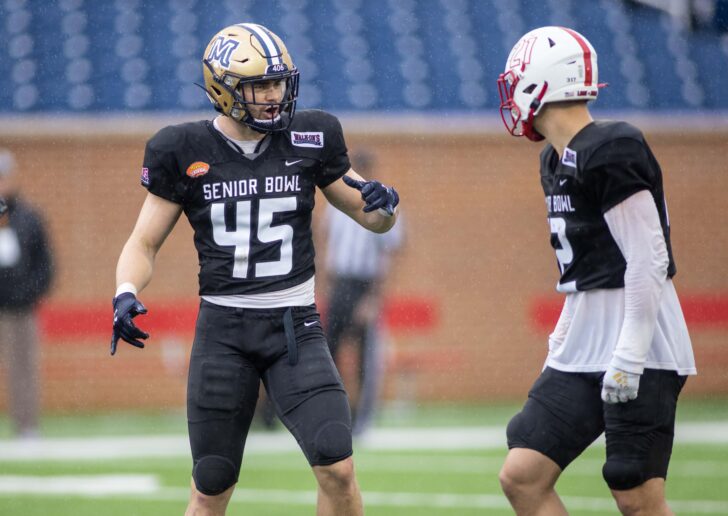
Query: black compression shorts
x,y
564,414
234,349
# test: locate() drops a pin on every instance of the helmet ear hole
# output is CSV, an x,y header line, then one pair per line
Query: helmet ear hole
x,y
215,89
529,88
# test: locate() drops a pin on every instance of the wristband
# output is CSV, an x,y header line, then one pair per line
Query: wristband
x,y
125,287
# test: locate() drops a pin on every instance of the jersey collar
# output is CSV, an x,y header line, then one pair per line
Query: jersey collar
x,y
230,148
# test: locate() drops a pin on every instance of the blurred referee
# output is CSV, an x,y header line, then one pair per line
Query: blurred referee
x,y
26,271
357,264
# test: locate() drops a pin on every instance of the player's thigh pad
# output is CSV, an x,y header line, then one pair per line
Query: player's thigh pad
x,y
222,391
640,433
561,418
309,396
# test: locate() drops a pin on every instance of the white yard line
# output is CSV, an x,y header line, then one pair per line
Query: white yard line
x,y
479,465
80,485
385,439
137,488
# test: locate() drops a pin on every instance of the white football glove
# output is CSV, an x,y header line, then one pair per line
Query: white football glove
x,y
619,386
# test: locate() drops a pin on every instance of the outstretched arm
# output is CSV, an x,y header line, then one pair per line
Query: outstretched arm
x,y
370,203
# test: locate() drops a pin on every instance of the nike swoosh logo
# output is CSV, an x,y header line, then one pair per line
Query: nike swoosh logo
x,y
310,323
561,183
289,163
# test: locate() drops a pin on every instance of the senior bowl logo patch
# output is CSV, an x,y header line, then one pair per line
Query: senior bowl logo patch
x,y
569,158
145,176
197,169
312,139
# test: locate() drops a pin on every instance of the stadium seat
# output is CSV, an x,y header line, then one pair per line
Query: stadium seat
x,y
131,56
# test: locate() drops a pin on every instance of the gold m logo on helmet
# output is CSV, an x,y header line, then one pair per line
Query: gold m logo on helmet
x,y
221,50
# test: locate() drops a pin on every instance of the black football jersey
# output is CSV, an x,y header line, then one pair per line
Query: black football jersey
x,y
251,217
604,164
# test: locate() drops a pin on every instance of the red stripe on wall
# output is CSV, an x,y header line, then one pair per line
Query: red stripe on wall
x,y
64,321
411,313
701,310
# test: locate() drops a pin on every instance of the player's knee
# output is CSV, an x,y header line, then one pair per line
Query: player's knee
x,y
214,474
332,443
514,480
622,475
336,477
646,499
512,477
629,506
508,482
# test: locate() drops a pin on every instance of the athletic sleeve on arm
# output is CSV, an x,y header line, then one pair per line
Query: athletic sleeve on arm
x,y
160,172
618,170
635,227
336,158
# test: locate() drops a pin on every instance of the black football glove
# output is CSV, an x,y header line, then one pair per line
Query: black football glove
x,y
375,195
3,207
126,307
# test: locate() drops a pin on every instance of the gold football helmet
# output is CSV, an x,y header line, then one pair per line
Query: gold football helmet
x,y
247,53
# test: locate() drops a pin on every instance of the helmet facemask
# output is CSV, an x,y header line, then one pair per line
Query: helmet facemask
x,y
511,114
240,109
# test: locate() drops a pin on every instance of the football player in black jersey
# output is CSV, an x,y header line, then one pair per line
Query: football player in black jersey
x,y
620,352
246,182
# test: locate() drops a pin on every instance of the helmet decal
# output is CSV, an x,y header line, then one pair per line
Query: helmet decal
x,y
221,50
587,56
272,52
521,55
276,68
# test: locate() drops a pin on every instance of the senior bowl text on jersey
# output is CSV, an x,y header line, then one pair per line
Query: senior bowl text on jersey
x,y
251,213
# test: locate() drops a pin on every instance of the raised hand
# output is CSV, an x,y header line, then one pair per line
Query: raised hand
x,y
375,195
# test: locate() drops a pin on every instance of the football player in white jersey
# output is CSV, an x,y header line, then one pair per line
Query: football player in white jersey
x,y
620,353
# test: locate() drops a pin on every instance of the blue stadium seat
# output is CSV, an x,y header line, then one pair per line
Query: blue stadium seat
x,y
135,56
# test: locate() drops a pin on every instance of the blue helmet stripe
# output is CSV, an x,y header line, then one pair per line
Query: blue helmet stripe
x,y
273,53
268,33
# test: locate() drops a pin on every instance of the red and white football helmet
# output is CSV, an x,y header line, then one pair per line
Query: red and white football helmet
x,y
549,64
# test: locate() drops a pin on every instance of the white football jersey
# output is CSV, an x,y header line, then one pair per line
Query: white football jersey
x,y
588,329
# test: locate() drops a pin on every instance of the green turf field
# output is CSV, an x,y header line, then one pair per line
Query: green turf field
x,y
419,482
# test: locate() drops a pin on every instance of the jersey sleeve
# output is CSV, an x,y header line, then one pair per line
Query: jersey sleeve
x,y
160,171
618,170
336,158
